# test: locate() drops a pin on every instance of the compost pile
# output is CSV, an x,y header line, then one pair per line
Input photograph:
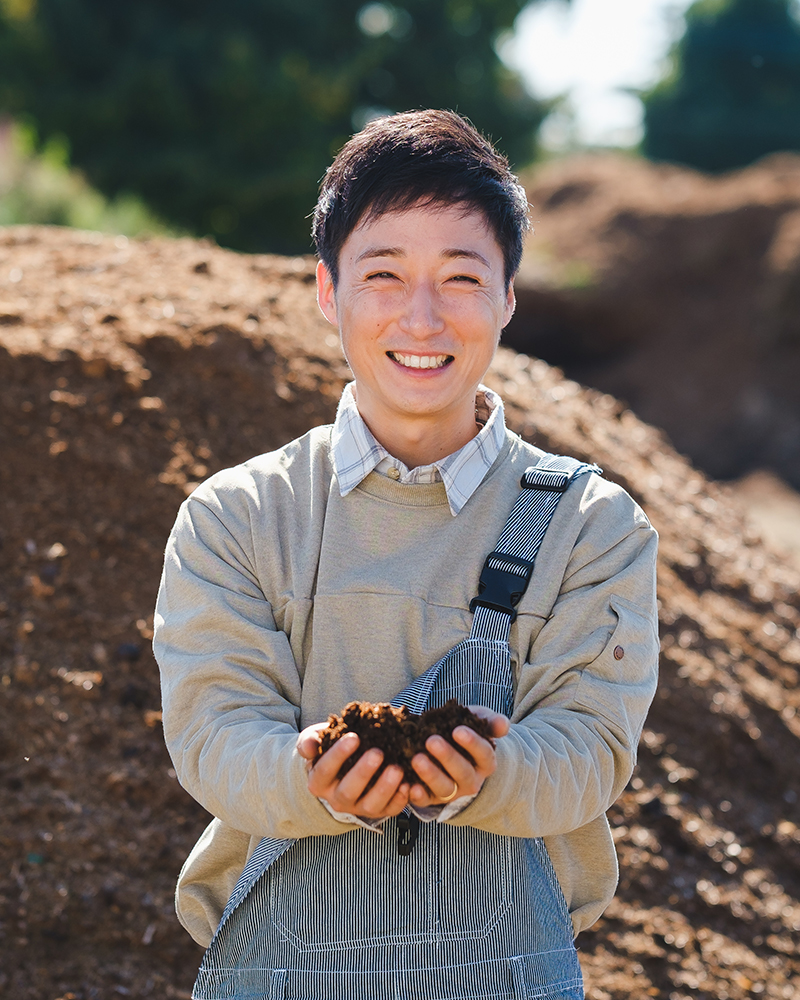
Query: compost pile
x,y
677,292
132,370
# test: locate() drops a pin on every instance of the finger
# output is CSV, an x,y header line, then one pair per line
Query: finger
x,y
499,723
420,796
353,785
481,750
399,800
449,760
387,797
308,741
501,726
326,770
441,779
377,801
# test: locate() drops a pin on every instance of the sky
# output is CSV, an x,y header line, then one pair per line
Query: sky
x,y
590,51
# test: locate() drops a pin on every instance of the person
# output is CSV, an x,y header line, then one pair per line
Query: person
x,y
341,567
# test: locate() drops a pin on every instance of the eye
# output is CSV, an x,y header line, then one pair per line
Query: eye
x,y
468,278
380,274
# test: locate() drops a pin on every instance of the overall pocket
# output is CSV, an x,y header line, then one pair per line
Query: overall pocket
x,y
345,892
474,881
352,891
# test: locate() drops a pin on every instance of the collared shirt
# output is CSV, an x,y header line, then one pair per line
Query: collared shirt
x,y
356,452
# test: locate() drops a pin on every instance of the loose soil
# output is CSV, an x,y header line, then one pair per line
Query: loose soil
x,y
132,370
398,733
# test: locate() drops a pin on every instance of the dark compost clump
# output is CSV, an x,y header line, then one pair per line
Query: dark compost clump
x,y
398,732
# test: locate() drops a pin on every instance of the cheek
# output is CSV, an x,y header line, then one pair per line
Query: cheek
x,y
371,311
481,322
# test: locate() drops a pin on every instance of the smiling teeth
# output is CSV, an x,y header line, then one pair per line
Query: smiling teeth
x,y
415,361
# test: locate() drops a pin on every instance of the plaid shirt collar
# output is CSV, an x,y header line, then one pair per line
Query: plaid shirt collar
x,y
356,452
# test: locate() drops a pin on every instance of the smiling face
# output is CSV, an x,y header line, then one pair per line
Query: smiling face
x,y
420,302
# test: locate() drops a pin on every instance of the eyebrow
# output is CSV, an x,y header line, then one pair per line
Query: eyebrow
x,y
380,252
454,253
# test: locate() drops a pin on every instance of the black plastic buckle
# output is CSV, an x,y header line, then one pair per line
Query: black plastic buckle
x,y
499,589
407,833
550,488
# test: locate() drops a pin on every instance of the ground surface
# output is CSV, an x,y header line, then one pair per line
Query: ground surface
x,y
130,371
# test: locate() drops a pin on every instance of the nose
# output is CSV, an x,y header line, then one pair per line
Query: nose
x,y
421,316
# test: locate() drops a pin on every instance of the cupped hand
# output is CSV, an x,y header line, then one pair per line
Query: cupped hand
x,y
387,797
450,774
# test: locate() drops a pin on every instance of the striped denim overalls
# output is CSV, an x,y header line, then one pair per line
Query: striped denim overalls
x,y
464,914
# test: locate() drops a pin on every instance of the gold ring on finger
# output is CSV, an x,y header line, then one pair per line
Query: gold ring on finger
x,y
452,795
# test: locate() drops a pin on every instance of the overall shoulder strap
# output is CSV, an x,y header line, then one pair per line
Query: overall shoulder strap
x,y
503,580
507,570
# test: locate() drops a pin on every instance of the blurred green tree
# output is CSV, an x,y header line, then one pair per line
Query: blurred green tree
x,y
733,91
223,117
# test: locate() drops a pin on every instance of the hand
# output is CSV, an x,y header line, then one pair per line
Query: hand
x,y
454,772
387,797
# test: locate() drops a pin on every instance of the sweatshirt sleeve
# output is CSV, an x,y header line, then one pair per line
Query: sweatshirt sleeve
x,y
584,691
230,684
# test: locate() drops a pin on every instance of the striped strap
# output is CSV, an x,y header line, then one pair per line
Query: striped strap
x,y
508,569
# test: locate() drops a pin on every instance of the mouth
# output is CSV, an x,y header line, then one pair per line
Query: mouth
x,y
424,361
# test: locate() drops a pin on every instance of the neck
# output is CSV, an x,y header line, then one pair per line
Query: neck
x,y
420,441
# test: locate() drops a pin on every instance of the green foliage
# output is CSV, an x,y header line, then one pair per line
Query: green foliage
x,y
733,93
42,189
223,117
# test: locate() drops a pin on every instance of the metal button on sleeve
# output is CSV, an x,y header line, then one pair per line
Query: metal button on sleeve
x,y
619,652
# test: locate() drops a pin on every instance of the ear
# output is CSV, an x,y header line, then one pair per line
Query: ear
x,y
326,294
510,305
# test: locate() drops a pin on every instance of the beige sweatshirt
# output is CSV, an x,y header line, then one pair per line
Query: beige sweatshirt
x,y
281,601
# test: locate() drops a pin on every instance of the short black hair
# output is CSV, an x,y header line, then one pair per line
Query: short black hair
x,y
419,157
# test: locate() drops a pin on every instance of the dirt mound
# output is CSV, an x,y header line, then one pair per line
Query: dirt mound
x,y
774,509
132,370
678,293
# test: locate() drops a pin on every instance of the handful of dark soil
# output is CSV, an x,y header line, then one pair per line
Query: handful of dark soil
x,y
399,733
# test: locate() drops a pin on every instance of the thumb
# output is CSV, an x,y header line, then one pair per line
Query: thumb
x,y
308,741
499,723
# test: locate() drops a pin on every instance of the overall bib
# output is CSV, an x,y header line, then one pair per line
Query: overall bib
x,y
457,914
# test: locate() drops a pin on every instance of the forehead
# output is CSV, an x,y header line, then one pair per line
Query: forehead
x,y
424,229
